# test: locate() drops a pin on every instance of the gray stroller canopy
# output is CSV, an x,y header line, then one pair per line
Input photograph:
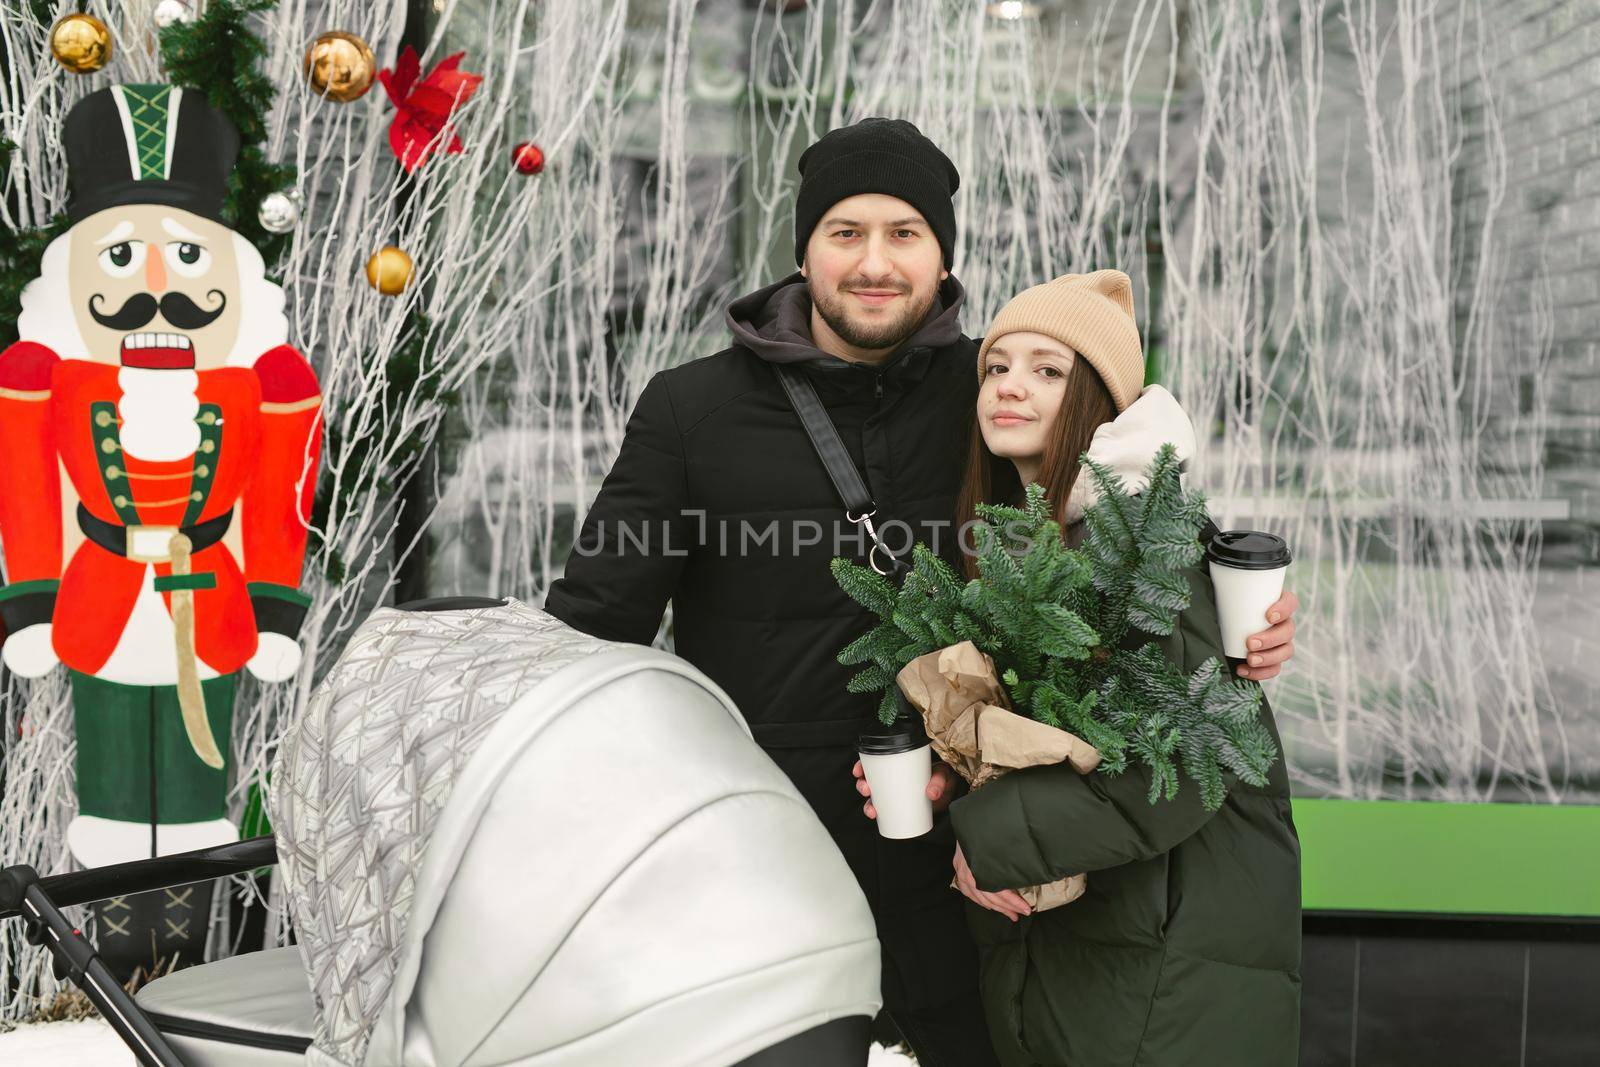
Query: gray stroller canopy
x,y
506,842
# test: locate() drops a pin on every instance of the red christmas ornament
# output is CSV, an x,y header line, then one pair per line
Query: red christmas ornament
x,y
530,158
424,108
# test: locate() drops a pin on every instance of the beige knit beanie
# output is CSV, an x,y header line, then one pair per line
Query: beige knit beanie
x,y
1089,313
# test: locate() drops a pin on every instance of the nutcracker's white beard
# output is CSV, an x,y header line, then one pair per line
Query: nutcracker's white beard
x,y
158,409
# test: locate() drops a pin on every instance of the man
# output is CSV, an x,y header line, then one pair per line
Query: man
x,y
161,444
719,503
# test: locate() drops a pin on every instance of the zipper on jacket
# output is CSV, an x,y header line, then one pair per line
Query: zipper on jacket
x,y
877,386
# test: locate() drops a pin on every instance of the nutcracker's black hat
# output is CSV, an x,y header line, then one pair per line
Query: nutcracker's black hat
x,y
148,144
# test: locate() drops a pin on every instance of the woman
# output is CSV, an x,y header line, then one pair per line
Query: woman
x,y
1186,948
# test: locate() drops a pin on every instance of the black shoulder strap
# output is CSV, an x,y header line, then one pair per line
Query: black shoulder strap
x,y
825,439
858,505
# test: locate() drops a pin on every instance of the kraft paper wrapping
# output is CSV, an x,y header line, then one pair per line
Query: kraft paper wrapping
x,y
966,712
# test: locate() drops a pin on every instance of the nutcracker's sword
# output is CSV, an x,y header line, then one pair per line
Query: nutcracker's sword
x,y
191,698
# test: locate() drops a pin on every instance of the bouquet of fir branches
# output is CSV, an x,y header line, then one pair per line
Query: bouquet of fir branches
x,y
1062,627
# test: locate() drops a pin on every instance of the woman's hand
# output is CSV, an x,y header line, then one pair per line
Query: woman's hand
x,y
1007,902
1270,648
941,788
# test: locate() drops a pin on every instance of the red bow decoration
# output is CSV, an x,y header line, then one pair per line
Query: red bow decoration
x,y
425,108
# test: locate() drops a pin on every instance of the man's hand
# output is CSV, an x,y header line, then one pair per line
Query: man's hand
x,y
1007,902
1270,648
941,788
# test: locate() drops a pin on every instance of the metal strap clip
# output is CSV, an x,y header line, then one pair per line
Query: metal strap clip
x,y
864,520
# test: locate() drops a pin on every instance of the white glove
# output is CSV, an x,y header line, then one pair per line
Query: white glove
x,y
277,658
30,652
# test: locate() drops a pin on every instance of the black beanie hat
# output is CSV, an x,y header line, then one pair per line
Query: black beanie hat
x,y
888,156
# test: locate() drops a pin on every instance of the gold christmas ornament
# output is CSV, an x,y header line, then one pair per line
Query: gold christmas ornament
x,y
81,43
340,66
389,271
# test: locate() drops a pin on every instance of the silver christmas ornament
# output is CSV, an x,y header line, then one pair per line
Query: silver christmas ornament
x,y
172,11
279,212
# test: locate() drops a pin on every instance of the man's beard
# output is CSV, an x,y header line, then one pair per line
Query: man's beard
x,y
876,335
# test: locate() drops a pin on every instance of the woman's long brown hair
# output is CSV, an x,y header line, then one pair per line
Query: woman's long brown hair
x,y
989,479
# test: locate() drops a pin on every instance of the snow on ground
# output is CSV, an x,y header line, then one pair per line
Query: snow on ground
x,y
91,1043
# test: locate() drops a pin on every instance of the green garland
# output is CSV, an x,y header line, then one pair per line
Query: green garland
x,y
20,255
216,55
22,250
403,385
1062,628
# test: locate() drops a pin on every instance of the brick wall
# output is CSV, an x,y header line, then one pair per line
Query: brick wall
x,y
1543,70
1544,74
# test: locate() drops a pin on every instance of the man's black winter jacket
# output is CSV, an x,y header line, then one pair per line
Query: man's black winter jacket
x,y
718,503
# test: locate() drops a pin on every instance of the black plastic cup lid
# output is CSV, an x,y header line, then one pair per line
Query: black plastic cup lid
x,y
891,740
1249,550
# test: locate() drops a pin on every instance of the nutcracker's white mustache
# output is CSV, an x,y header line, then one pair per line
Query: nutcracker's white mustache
x,y
158,409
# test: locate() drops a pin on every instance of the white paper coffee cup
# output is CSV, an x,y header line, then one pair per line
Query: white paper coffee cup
x,y
1247,571
898,765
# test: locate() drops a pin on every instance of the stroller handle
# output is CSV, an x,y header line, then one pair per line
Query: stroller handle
x,y
163,872
14,884
23,893
38,901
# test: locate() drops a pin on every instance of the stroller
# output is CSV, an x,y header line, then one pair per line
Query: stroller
x,y
616,875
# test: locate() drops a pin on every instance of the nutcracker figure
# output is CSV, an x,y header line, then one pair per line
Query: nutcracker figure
x,y
160,442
